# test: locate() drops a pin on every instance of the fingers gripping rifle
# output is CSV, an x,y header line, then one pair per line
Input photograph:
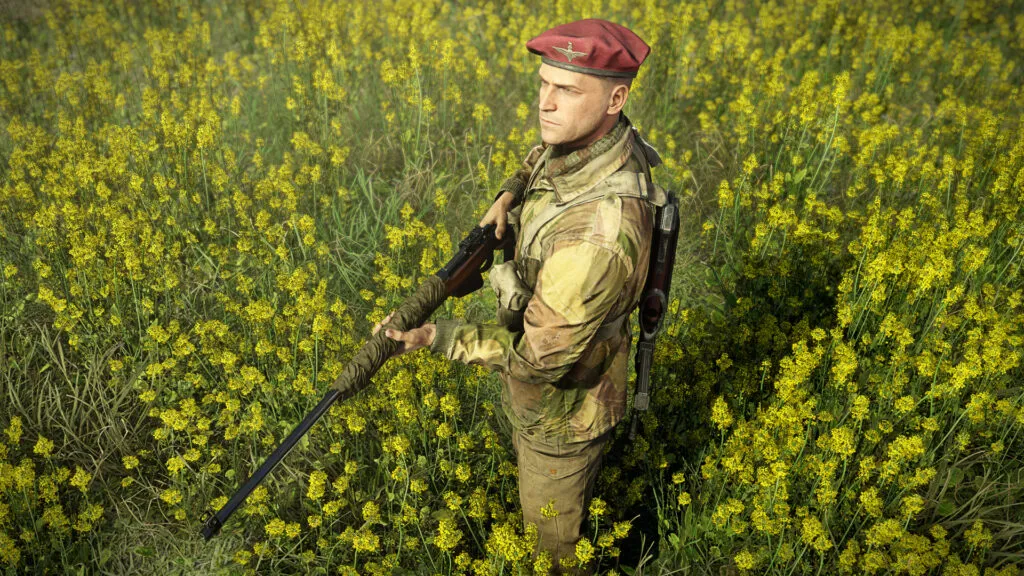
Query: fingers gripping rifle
x,y
459,277
654,299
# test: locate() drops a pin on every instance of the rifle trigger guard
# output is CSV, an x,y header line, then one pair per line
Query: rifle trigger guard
x,y
487,263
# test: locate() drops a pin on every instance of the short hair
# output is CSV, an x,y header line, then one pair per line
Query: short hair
x,y
610,82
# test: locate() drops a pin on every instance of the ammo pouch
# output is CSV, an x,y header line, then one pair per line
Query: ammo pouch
x,y
513,295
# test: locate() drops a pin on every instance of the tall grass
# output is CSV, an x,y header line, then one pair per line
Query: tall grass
x,y
205,207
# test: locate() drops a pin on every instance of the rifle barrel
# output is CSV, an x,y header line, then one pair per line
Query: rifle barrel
x,y
213,524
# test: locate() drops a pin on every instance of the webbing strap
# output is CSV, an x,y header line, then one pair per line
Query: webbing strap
x,y
610,328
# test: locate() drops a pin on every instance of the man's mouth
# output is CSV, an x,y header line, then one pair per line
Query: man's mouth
x,y
548,121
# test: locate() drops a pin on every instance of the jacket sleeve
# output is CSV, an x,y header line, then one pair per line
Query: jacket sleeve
x,y
577,286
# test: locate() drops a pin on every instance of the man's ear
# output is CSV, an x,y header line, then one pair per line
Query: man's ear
x,y
617,98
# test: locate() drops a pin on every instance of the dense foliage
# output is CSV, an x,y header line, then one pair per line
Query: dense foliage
x,y
204,207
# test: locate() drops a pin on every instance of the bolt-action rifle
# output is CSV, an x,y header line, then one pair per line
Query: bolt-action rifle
x,y
459,277
654,300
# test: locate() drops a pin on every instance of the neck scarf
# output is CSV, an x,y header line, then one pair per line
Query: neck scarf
x,y
561,163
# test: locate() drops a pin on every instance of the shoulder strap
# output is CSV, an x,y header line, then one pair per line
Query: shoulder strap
x,y
649,158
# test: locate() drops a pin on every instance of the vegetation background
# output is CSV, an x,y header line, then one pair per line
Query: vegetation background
x,y
205,206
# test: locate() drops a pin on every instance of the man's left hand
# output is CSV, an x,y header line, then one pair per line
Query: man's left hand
x,y
410,339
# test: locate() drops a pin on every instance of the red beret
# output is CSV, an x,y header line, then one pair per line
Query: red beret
x,y
592,46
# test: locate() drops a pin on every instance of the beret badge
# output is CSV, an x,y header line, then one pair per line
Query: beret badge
x,y
568,52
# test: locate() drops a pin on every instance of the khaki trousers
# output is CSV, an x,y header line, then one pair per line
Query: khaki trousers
x,y
565,474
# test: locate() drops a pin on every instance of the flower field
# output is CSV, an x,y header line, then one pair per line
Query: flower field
x,y
206,206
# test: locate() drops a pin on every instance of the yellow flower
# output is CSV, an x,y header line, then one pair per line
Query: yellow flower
x,y
481,112
275,527
242,557
548,510
859,409
720,414
871,501
366,541
13,430
744,560
448,535
449,405
904,404
584,550
462,472
522,111
978,536
371,512
175,463
43,447
813,534
317,483
81,479
170,496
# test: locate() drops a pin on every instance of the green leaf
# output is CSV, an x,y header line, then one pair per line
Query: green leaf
x,y
800,175
442,513
945,507
956,475
673,538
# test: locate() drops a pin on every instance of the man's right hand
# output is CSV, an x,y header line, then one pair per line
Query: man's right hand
x,y
498,214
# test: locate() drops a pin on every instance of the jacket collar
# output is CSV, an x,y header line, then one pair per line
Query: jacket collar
x,y
570,185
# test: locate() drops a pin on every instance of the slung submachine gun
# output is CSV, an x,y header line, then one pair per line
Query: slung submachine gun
x,y
654,300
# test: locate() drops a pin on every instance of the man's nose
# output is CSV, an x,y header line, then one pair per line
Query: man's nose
x,y
547,103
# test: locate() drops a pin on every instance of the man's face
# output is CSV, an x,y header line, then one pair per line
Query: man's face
x,y
572,105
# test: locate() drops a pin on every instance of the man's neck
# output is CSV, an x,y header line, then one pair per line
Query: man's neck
x,y
602,129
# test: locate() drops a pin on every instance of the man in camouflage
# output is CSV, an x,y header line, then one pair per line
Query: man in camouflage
x,y
583,205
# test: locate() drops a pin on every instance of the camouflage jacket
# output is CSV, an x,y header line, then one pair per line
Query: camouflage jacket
x,y
587,265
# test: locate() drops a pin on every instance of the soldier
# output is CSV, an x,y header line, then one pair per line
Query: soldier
x,y
583,205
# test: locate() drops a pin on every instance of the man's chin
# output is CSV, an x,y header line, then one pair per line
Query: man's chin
x,y
550,138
